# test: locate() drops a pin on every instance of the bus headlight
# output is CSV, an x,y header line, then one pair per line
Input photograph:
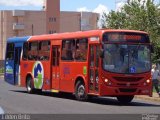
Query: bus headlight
x,y
107,82
148,81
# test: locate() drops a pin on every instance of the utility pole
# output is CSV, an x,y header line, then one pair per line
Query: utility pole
x,y
80,21
32,30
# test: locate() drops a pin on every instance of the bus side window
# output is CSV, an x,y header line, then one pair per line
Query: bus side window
x,y
44,50
33,51
25,51
10,51
81,49
68,48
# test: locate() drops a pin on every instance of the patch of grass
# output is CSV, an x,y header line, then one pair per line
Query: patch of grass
x,y
1,70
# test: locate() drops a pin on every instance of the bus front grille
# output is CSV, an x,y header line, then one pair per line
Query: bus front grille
x,y
125,84
127,90
128,79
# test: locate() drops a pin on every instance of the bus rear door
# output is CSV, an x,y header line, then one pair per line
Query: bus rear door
x,y
9,63
17,58
55,67
12,63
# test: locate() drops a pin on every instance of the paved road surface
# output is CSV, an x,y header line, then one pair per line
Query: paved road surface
x,y
15,100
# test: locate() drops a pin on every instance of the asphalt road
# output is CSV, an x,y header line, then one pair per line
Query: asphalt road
x,y
15,99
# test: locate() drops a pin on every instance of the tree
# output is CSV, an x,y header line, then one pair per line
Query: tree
x,y
138,15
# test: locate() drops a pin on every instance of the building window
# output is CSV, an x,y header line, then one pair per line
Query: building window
x,y
51,32
52,19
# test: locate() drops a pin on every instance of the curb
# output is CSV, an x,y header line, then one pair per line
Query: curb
x,y
1,78
155,97
1,75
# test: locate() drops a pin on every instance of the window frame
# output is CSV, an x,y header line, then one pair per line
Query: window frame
x,y
73,47
43,51
32,51
79,41
25,49
69,50
12,51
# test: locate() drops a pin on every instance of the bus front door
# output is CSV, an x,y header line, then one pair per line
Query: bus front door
x,y
55,67
17,58
93,69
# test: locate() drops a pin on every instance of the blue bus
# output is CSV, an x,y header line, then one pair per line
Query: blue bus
x,y
14,49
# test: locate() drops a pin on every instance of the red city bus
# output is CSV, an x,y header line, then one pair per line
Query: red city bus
x,y
114,63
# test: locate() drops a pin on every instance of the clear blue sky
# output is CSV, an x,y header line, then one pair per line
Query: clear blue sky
x,y
73,5
66,5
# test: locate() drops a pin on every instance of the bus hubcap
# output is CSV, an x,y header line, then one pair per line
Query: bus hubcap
x,y
29,86
81,91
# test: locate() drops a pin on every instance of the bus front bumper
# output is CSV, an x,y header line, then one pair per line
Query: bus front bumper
x,y
116,91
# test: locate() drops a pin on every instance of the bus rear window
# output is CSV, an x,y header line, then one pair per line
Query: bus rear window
x,y
10,51
125,37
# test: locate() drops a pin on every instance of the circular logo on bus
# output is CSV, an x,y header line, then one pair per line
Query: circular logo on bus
x,y
38,74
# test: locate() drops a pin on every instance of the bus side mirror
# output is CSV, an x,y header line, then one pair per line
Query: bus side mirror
x,y
102,53
152,48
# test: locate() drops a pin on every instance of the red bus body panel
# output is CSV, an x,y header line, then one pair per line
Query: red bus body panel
x,y
68,72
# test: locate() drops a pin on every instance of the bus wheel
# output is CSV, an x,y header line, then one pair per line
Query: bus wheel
x,y
80,92
30,88
125,99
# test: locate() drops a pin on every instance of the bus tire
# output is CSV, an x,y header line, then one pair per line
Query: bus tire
x,y
80,92
29,85
125,99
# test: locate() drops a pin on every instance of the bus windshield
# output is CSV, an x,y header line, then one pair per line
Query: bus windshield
x,y
126,58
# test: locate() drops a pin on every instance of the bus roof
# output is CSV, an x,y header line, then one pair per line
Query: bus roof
x,y
79,34
68,35
18,39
